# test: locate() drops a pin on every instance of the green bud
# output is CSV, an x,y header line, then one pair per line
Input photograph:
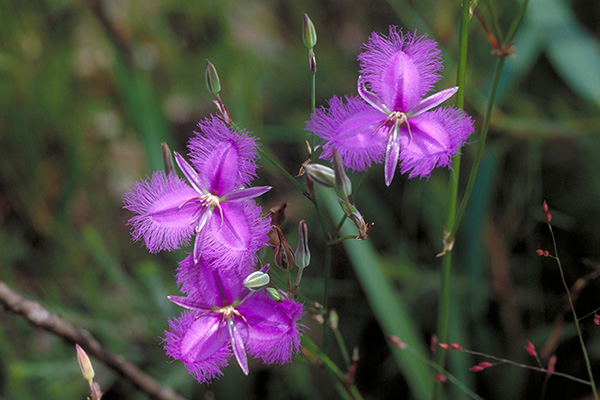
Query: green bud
x,y
334,319
167,158
309,34
212,78
302,254
85,365
256,280
320,174
343,186
274,294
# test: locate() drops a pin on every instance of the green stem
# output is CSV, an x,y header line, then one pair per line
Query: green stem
x,y
576,320
289,176
480,146
444,308
346,389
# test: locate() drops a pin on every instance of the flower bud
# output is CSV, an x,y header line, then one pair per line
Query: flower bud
x,y
302,254
597,319
212,78
85,365
309,34
167,158
320,174
343,186
283,254
274,294
256,280
334,320
545,206
530,348
96,391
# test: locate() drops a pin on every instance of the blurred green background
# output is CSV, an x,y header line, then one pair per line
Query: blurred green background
x,y
89,89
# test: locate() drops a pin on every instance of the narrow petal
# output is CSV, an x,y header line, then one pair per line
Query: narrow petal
x,y
400,68
166,211
437,136
273,327
433,101
371,97
190,174
189,303
354,128
237,344
391,155
245,194
224,158
198,342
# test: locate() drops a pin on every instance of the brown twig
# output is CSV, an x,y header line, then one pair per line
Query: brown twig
x,y
40,317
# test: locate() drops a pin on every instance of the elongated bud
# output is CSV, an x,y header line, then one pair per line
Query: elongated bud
x,y
343,186
302,254
334,320
212,78
167,158
85,365
530,348
551,364
309,34
274,294
283,254
256,280
597,319
320,174
545,206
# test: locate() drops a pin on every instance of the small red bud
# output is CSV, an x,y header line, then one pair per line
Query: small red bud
x,y
548,217
597,319
456,346
444,346
540,252
551,364
396,341
440,378
481,366
545,206
546,253
530,348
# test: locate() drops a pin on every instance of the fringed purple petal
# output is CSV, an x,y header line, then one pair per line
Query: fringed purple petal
x,y
354,128
274,331
437,135
199,343
400,68
166,214
225,159
233,241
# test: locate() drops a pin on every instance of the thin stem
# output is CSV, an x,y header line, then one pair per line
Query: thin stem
x,y
289,176
348,390
444,307
576,320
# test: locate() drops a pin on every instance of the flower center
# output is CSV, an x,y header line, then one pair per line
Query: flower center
x,y
396,119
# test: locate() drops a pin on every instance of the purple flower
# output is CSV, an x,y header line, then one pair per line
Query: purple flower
x,y
224,319
394,122
214,203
